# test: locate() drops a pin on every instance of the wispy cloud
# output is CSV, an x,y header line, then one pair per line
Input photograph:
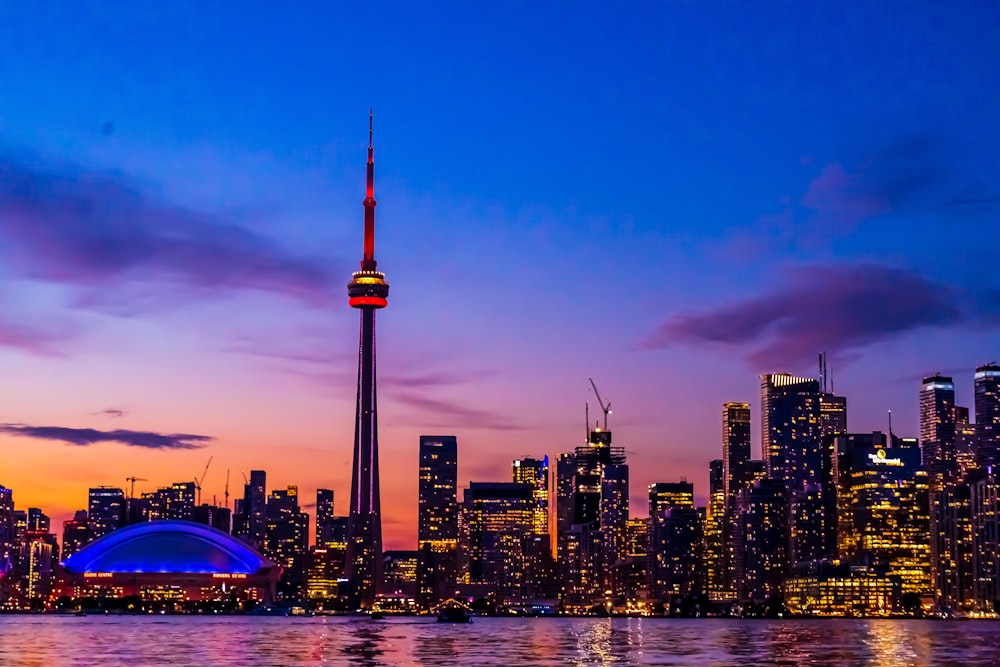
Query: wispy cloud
x,y
835,308
113,413
84,437
101,233
449,414
40,341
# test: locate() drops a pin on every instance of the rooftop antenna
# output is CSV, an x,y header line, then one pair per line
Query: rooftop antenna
x,y
890,428
822,378
586,421
227,488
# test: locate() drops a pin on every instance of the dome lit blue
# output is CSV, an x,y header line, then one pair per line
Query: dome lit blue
x,y
167,547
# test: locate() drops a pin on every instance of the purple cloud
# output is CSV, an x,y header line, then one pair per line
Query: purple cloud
x,y
453,415
83,437
834,308
99,231
43,342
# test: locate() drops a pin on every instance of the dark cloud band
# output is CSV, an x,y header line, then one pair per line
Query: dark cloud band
x,y
83,437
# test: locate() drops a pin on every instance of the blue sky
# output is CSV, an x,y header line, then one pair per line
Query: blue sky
x,y
670,197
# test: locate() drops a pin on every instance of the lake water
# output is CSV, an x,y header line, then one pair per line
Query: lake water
x,y
53,641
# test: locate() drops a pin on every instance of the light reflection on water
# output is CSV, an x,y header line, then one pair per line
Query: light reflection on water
x,y
51,641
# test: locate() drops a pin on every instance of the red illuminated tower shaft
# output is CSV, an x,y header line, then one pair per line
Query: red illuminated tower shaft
x,y
368,292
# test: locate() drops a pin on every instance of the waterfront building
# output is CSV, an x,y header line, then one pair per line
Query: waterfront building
x,y
716,582
676,552
399,573
813,528
833,588
985,511
368,291
437,518
497,536
597,538
286,541
736,431
952,548
105,510
169,561
8,545
883,510
987,404
632,575
535,473
762,539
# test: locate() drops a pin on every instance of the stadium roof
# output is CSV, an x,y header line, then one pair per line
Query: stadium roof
x,y
168,547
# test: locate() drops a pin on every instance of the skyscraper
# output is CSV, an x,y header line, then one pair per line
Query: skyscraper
x,y
535,472
762,536
735,476
790,417
437,516
715,563
324,517
255,509
287,540
105,510
498,522
368,292
937,429
987,388
76,534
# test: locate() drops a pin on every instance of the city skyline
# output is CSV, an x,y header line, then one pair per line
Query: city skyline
x,y
175,280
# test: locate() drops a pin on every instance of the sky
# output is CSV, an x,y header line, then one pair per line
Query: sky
x,y
669,197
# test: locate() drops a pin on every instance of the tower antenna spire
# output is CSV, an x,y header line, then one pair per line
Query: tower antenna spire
x,y
368,263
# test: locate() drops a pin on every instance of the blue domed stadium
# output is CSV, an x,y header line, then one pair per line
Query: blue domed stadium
x,y
158,555
168,546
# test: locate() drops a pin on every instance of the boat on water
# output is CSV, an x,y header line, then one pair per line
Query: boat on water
x,y
453,611
269,611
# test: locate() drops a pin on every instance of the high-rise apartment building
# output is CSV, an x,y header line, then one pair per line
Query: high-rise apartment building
x,y
105,510
984,498
498,526
255,509
762,539
937,429
987,403
437,517
790,430
535,473
324,516
287,540
715,521
565,501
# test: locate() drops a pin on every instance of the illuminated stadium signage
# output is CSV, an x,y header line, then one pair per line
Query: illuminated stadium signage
x,y
224,575
879,457
98,575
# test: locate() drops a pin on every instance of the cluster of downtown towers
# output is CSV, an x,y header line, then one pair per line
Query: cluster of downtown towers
x,y
827,520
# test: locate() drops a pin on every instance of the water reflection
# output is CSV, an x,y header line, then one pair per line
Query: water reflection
x,y
44,641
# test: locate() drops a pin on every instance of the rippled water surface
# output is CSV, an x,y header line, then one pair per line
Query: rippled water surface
x,y
49,641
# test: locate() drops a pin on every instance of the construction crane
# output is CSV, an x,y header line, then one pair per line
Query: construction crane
x,y
133,480
197,482
245,480
606,409
227,488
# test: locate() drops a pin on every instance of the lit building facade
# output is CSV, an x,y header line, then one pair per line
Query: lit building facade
x,y
883,507
831,588
498,530
736,430
676,553
985,511
286,541
937,430
437,517
105,510
762,539
324,516
790,430
986,385
716,581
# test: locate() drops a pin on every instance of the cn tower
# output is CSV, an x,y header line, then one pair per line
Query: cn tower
x,y
368,292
